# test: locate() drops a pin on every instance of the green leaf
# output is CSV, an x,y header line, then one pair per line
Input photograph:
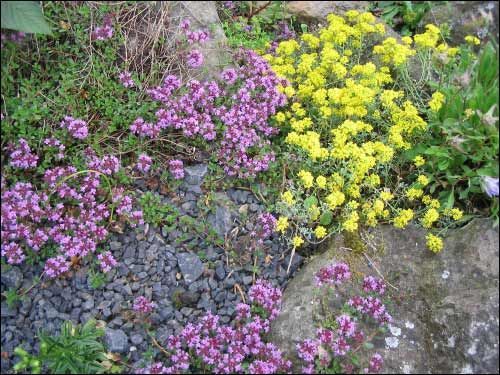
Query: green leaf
x,y
24,16
310,201
368,345
326,218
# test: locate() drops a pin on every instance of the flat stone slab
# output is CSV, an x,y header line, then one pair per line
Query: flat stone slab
x,y
445,309
191,266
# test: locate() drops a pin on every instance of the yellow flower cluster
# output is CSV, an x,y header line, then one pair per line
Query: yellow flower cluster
x,y
320,232
282,224
436,101
434,243
472,40
297,241
403,218
349,124
287,197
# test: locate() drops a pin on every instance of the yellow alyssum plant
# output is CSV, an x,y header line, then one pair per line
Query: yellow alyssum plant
x,y
348,121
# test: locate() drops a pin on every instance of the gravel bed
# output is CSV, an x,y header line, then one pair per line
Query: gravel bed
x,y
184,274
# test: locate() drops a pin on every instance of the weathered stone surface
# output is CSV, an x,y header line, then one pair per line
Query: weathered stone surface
x,y
224,212
465,18
318,10
203,15
194,174
116,340
191,266
12,278
446,306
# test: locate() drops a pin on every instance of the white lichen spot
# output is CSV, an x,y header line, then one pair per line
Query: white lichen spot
x,y
473,349
409,325
445,274
467,369
391,342
451,341
407,369
396,331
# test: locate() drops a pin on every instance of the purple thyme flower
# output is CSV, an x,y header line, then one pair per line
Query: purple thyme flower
x,y
143,305
229,76
333,274
195,58
373,284
76,127
144,163
307,350
126,79
490,186
56,266
176,167
107,261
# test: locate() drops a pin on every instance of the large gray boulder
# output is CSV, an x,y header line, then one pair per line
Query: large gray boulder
x,y
477,18
316,11
203,15
445,309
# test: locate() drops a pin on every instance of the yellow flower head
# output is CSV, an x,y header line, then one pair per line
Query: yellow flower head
x,y
434,243
306,178
320,232
321,182
413,193
403,218
287,197
472,40
436,101
282,224
430,217
419,161
297,241
423,180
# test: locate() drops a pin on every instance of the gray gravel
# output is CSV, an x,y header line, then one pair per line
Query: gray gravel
x,y
184,274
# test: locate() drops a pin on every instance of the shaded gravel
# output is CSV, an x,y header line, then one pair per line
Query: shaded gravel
x,y
184,274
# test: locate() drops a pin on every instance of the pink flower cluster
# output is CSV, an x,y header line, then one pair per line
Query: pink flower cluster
x,y
144,163
243,110
266,222
347,336
56,266
72,219
222,348
143,305
126,79
176,167
107,261
371,306
229,76
76,127
16,37
54,142
373,284
107,165
333,275
200,36
375,364
195,58
22,157
266,296
105,31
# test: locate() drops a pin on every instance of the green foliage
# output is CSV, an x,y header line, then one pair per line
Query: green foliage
x,y
97,279
24,16
154,211
255,24
404,16
52,77
462,146
12,297
76,350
